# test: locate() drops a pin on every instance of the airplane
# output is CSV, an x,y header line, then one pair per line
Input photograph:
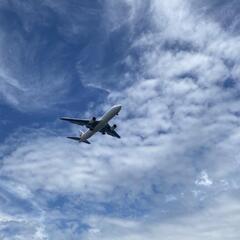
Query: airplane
x,y
95,125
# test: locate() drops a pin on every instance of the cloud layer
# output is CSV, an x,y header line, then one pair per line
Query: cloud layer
x,y
177,162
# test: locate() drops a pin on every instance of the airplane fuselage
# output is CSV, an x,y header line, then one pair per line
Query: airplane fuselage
x,y
102,123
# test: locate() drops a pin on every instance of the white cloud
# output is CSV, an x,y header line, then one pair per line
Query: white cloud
x,y
20,215
203,179
216,222
172,123
37,48
178,124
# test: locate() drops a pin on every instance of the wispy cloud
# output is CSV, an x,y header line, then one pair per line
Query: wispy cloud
x,y
216,222
39,45
180,135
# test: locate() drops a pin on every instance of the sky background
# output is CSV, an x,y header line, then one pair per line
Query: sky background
x,y
174,67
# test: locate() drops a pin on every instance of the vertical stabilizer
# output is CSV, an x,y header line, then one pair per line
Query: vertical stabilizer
x,y
80,140
80,133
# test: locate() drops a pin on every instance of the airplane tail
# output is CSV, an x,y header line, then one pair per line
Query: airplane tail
x,y
79,138
85,141
74,138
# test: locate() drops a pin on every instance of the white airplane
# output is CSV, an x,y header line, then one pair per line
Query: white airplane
x,y
95,125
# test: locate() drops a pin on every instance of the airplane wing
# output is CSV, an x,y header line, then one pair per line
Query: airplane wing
x,y
107,129
82,122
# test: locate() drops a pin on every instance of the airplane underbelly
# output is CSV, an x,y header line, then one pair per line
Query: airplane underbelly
x,y
87,134
100,125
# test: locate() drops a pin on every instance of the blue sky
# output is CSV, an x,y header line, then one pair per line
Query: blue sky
x,y
173,66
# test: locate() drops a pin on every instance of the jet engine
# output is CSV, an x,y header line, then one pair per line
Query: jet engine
x,y
113,127
93,120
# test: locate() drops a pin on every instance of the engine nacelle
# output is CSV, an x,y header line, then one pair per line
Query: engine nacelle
x,y
113,127
93,120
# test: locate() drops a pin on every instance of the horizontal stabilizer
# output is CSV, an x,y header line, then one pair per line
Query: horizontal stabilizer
x,y
74,138
79,139
86,141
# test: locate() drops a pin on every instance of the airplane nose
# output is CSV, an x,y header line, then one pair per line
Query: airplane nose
x,y
118,107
